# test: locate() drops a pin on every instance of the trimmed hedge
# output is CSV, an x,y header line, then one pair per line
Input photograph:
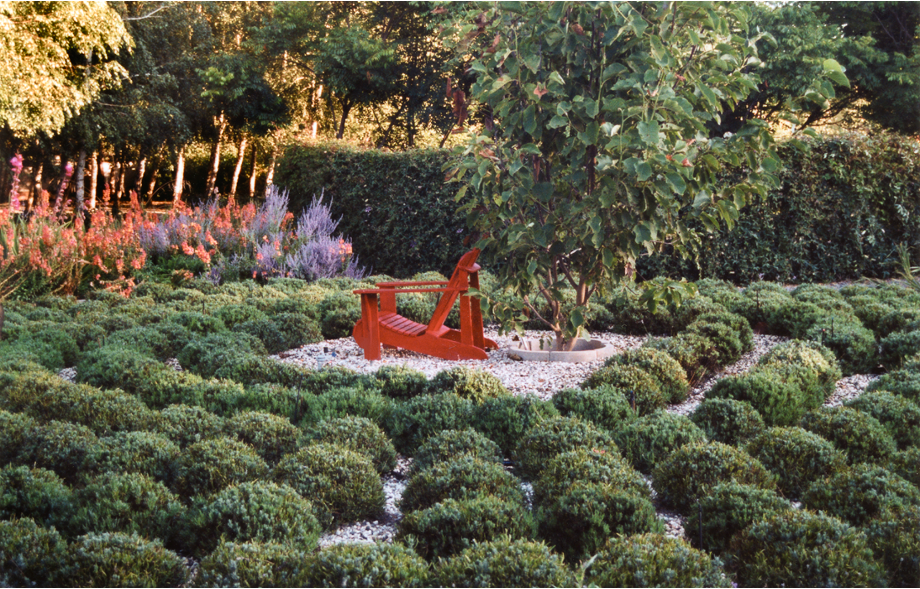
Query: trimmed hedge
x,y
504,562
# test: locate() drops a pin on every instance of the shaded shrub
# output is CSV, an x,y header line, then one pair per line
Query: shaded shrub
x,y
32,556
474,385
186,425
450,526
270,435
208,466
691,472
463,477
633,381
906,464
258,511
898,416
727,420
35,493
233,315
208,355
504,562
555,435
366,565
894,538
124,560
297,329
897,346
339,312
348,401
360,435
663,368
504,420
252,564
727,341
342,484
650,439
412,422
905,383
858,434
138,452
13,430
654,560
797,457
695,353
69,449
820,362
266,331
401,382
584,465
860,493
852,344
450,444
198,323
777,401
606,407
800,548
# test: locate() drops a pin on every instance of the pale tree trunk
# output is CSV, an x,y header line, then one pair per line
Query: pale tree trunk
x,y
93,179
141,170
78,183
61,187
252,173
215,155
151,188
270,175
180,173
239,167
318,96
36,186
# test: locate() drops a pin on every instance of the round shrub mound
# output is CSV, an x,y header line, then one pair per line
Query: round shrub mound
x,y
778,402
452,443
663,368
32,556
338,481
728,509
858,434
13,430
451,526
554,436
906,464
69,449
653,560
401,382
894,537
695,353
860,493
793,318
606,407
461,478
366,565
586,466
412,422
727,420
905,383
898,416
581,520
475,385
803,549
355,401
359,435
504,562
142,452
258,511
691,472
211,465
728,345
184,424
898,346
233,315
252,564
635,383
207,355
649,440
852,344
124,560
811,355
35,493
797,457
130,503
738,324
266,331
505,420
270,435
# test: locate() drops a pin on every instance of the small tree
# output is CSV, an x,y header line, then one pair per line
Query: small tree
x,y
595,144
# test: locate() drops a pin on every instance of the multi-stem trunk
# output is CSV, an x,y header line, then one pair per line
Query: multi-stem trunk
x,y
241,154
93,179
221,123
252,173
180,176
79,182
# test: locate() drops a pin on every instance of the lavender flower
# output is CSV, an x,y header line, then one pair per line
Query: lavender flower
x,y
16,164
316,220
270,216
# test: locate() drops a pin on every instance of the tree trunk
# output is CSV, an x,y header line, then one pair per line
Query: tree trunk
x,y
180,173
6,173
118,179
270,175
239,168
252,173
346,108
151,188
93,179
79,182
61,186
36,186
215,156
141,170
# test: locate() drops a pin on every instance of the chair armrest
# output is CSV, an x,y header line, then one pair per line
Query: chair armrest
x,y
389,291
412,283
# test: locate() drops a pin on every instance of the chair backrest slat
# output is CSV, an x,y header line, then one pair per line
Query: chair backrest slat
x,y
459,280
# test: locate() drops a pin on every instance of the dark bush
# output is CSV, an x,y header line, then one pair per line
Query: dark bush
x,y
177,336
186,425
894,538
555,435
777,401
139,452
650,439
905,383
858,434
690,473
116,366
728,421
233,315
663,368
727,340
366,565
898,346
208,466
124,560
906,464
145,340
695,353
251,369
32,556
401,382
270,435
358,434
339,312
265,331
504,420
36,493
585,465
633,381
653,560
803,549
343,485
336,377
451,526
852,344
348,401
297,329
69,449
258,511
198,323
474,385
504,562
412,422
450,444
820,362
463,477
860,493
253,564
797,457
606,407
14,427
793,318
207,355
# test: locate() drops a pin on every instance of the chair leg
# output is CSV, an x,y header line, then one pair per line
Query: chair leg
x,y
372,325
466,321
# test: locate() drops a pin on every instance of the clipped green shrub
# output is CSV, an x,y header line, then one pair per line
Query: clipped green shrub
x,y
14,427
116,366
198,323
270,435
339,312
897,346
32,556
504,420
336,377
207,355
412,422
146,340
257,511
401,382
580,521
358,434
650,439
852,344
728,509
727,420
354,401
858,434
266,331
450,444
634,382
900,319
793,318
663,368
451,526
474,385
297,329
233,315
803,549
35,493
860,493
727,340
138,452
584,465
606,407
894,538
184,424
777,401
653,560
905,383
208,466
695,353
820,362
253,564
870,310
797,457
177,336
690,473
906,464
124,560
69,449
555,435
504,562
366,565
343,485
463,477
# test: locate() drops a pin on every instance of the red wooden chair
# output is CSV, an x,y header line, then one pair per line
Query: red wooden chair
x,y
387,328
